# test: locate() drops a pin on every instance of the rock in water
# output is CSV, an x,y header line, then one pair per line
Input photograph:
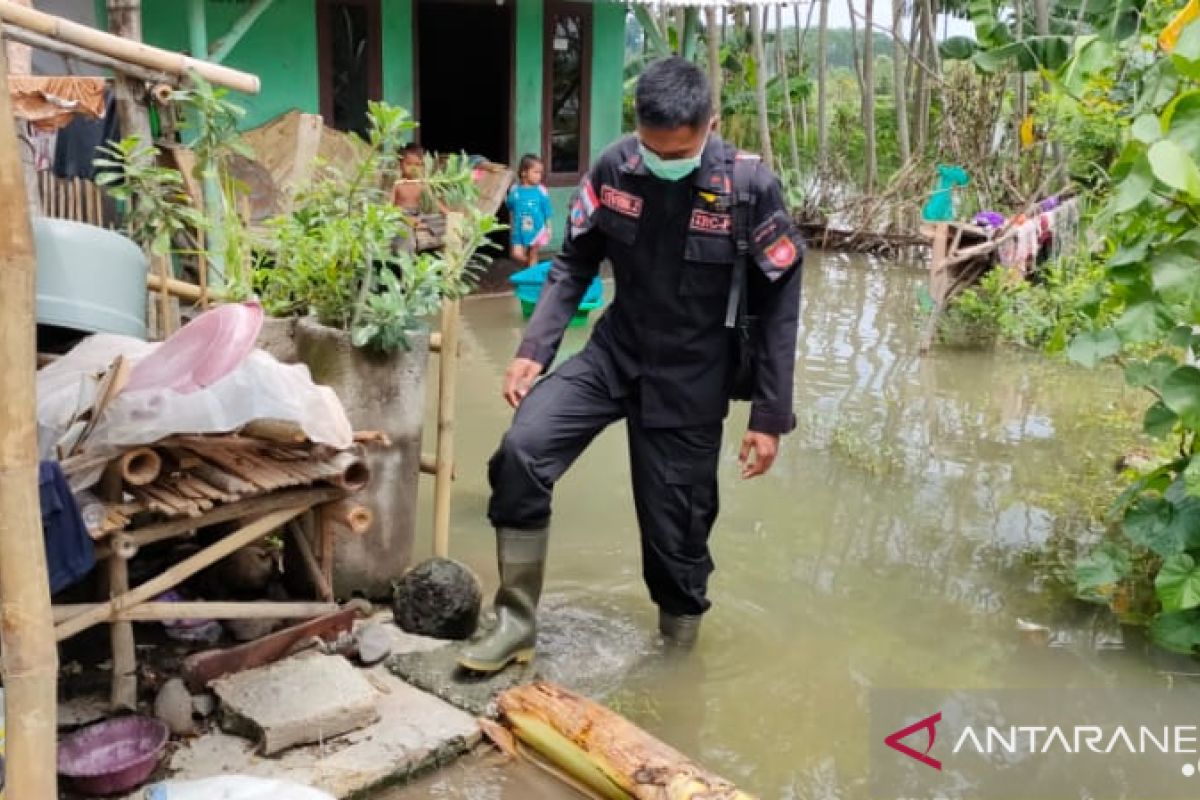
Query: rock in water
x,y
438,597
173,705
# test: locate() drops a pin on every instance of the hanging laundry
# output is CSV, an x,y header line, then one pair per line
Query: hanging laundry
x,y
52,101
940,207
75,149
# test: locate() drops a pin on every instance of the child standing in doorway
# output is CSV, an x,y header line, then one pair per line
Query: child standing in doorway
x,y
529,205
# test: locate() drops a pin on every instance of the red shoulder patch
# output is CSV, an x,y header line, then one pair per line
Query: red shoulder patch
x,y
782,252
622,202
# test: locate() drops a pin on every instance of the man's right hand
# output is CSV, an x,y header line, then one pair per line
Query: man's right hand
x,y
519,378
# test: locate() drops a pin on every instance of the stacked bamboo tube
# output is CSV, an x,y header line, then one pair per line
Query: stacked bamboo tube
x,y
187,476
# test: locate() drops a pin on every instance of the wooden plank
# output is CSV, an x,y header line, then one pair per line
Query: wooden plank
x,y
201,669
185,569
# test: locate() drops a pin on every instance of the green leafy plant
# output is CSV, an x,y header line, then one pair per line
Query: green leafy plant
x,y
336,253
157,206
1152,274
211,120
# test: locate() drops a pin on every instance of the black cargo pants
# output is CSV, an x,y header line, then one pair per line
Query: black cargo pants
x,y
674,472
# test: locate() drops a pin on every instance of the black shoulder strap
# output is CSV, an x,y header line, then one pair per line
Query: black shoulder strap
x,y
744,201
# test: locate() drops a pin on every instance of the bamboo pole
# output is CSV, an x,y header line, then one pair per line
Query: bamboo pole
x,y
160,612
178,573
181,289
29,657
136,53
165,328
70,51
315,574
447,373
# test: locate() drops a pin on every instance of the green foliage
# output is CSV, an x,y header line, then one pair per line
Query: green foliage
x,y
335,253
1047,314
157,206
1152,272
212,122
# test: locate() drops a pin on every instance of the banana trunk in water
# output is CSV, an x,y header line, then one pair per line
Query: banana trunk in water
x,y
605,751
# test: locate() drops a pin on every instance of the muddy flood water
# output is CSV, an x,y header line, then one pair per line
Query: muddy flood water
x,y
889,547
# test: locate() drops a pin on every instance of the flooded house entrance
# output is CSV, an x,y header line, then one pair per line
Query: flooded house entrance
x,y
464,77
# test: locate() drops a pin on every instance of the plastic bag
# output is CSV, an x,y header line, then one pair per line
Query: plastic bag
x,y
260,388
234,787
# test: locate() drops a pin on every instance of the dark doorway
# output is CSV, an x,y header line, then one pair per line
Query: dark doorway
x,y
464,69
350,55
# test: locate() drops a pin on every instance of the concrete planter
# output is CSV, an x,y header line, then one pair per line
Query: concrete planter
x,y
278,337
384,393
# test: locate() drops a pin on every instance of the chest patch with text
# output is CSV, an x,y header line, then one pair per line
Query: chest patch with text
x,y
710,222
624,203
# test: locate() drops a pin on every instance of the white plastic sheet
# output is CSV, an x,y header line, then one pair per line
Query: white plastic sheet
x,y
233,787
260,388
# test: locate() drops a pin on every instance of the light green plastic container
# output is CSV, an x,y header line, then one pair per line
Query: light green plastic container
x,y
89,279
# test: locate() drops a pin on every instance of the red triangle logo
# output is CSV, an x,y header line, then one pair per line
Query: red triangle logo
x,y
928,724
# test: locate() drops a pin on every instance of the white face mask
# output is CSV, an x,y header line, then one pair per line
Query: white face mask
x,y
671,169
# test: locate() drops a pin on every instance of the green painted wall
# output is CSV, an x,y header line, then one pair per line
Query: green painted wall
x,y
281,48
527,113
608,74
399,79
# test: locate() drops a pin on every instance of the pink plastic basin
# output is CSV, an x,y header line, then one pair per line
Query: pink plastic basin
x,y
113,756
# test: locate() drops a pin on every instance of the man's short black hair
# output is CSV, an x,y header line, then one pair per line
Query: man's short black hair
x,y
673,92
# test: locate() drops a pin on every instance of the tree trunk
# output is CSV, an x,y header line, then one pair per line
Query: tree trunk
x,y
1022,98
785,79
603,750
822,87
30,658
924,90
868,97
855,58
712,33
801,65
760,88
125,19
900,82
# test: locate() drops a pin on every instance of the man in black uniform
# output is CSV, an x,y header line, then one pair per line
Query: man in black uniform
x,y
661,207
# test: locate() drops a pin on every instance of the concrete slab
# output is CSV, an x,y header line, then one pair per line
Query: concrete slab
x,y
437,672
416,732
591,651
296,701
402,641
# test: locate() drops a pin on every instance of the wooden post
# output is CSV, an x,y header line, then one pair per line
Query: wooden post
x,y
125,20
447,374
30,659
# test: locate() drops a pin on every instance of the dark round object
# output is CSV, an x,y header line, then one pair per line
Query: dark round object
x,y
439,598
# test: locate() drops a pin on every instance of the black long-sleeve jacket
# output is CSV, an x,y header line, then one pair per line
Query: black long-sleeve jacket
x,y
671,245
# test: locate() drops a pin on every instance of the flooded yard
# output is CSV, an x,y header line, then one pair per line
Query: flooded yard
x,y
887,548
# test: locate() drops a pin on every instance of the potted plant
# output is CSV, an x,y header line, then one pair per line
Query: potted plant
x,y
363,307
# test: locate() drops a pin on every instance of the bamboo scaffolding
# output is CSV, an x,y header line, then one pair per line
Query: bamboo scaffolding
x,y
180,572
29,658
121,49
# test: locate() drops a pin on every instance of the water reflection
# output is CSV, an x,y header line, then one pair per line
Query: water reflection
x,y
885,550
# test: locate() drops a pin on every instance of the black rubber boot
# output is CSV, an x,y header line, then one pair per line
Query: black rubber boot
x,y
522,558
679,632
